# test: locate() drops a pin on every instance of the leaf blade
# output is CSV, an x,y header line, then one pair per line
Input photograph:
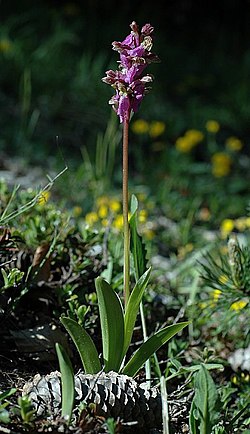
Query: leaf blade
x,y
205,400
84,344
67,381
132,308
137,246
149,347
112,325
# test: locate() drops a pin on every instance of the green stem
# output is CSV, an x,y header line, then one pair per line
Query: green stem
x,y
126,268
145,337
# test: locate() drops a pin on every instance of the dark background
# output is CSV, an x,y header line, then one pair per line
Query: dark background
x,y
220,24
204,71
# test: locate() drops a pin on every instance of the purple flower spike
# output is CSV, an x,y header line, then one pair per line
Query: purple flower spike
x,y
130,85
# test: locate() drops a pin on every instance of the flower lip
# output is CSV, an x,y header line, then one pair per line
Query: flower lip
x,y
147,29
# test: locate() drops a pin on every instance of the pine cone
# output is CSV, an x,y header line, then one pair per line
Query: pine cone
x,y
114,395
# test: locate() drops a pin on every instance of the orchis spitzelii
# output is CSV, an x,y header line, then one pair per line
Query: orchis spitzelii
x,y
131,86
128,81
109,376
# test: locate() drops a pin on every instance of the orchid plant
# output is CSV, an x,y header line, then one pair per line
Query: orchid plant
x,y
131,86
118,319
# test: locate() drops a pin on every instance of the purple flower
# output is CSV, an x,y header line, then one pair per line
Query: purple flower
x,y
124,107
130,85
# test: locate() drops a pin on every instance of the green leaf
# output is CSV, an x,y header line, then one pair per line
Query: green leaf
x,y
7,393
5,278
193,423
68,382
134,205
239,414
137,246
112,325
205,400
4,416
132,308
27,410
195,368
149,347
84,344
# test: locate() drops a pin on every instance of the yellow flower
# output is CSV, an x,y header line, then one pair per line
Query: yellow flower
x,y
140,126
102,200
142,216
44,197
234,379
219,172
221,164
221,158
105,222
227,225
212,126
77,210
91,218
245,377
240,224
5,45
216,294
195,136
183,144
114,205
234,144
248,222
118,222
156,128
190,139
203,305
103,211
238,305
149,234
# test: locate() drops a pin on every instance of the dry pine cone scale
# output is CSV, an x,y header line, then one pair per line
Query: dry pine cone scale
x,y
115,395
